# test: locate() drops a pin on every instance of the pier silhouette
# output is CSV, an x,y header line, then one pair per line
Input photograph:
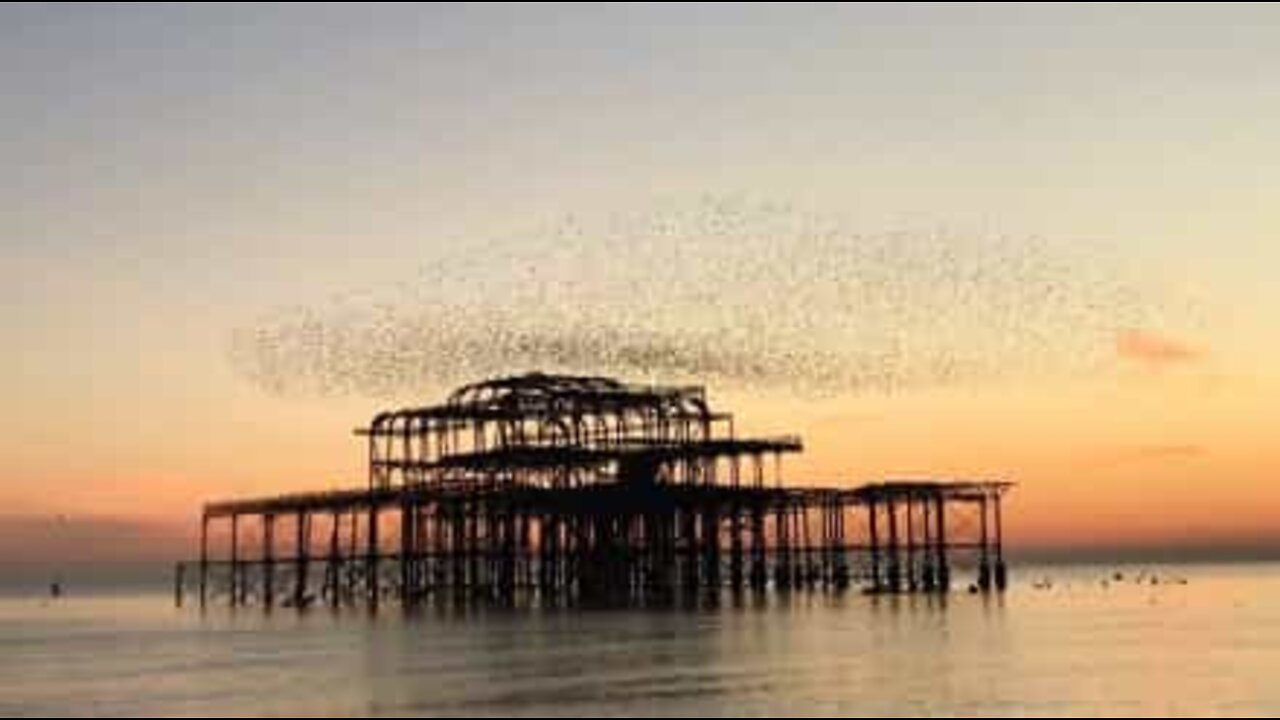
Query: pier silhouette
x,y
570,490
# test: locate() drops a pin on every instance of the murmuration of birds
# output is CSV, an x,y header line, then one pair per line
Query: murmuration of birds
x,y
745,294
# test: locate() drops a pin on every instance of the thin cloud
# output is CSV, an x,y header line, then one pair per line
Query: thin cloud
x,y
1154,350
1174,451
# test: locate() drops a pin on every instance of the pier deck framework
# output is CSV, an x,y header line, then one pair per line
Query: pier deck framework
x,y
564,490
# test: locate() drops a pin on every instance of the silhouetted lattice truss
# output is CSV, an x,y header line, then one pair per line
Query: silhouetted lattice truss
x,y
558,489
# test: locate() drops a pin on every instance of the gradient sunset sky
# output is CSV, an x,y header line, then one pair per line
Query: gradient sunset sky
x,y
175,175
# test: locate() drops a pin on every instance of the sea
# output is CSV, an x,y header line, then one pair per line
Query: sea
x,y
1077,641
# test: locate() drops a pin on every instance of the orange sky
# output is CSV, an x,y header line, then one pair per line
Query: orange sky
x,y
175,176
1156,453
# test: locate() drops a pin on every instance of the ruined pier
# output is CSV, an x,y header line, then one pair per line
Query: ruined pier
x,y
565,490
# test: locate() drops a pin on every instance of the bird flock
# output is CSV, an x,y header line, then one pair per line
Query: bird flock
x,y
747,294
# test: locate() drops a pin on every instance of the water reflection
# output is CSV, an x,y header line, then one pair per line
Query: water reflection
x,y
1208,647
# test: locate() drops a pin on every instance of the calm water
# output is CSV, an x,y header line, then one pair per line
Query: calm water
x,y
1210,647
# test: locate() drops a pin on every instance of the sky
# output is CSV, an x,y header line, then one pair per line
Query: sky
x,y
993,240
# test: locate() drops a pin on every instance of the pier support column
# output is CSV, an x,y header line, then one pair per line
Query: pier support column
x,y
352,580
841,555
984,560
408,552
371,560
782,535
895,551
1002,571
913,570
303,549
804,565
929,575
235,560
873,524
711,525
942,563
737,566
204,562
268,561
333,576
